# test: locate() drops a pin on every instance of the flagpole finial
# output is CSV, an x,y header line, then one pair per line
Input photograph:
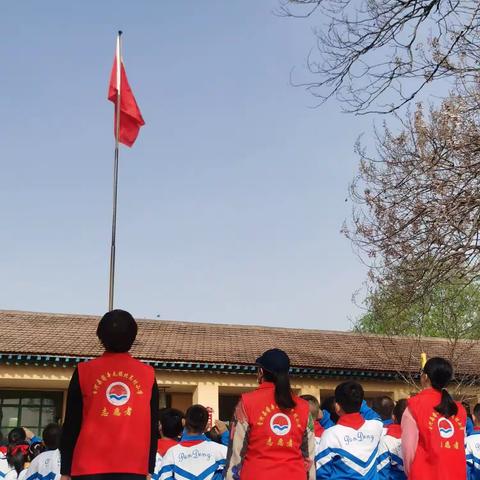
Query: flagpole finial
x,y
120,32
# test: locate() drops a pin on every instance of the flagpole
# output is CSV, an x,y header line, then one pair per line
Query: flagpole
x,y
115,176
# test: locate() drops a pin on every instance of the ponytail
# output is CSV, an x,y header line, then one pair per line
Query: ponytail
x,y
447,407
440,371
17,455
283,392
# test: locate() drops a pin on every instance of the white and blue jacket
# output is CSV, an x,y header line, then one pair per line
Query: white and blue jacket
x,y
472,446
390,460
45,466
4,466
348,451
194,458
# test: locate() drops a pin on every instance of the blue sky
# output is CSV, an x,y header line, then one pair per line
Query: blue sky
x,y
232,199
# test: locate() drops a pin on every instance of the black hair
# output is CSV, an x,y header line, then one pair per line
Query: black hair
x,y
283,391
383,406
51,436
16,436
214,435
328,404
171,422
440,372
18,455
117,331
476,411
349,395
196,419
35,450
399,410
312,401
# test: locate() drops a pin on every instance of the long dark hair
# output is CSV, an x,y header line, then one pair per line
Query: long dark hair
x,y
17,456
283,391
440,372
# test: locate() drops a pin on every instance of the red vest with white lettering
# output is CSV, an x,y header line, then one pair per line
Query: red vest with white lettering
x,y
275,437
116,425
440,453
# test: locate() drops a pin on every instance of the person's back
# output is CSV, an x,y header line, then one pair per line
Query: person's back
x,y
17,457
47,464
317,417
112,399
171,426
472,447
390,458
4,467
384,406
195,457
278,443
433,428
272,433
348,450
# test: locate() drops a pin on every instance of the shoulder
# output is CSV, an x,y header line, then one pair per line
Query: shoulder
x,y
88,365
148,369
172,451
389,442
249,395
301,403
34,463
253,399
221,449
330,435
22,475
374,425
11,475
473,438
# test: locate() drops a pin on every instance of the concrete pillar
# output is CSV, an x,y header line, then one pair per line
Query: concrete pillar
x,y
162,397
206,394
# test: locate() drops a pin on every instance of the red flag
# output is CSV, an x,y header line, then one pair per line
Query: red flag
x,y
130,116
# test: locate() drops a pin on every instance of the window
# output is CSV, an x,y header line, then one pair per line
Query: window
x,y
32,410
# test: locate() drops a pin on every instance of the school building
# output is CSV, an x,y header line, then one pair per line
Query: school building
x,y
210,364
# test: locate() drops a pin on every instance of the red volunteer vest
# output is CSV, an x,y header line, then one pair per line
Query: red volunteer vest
x,y
116,424
164,444
318,429
440,453
275,438
394,430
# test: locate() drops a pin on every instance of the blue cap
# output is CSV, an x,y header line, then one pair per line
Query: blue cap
x,y
274,361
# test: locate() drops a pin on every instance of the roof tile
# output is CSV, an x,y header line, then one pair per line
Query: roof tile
x,y
161,340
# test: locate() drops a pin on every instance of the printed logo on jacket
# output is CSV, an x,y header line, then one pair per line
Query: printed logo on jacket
x,y
119,388
445,428
280,425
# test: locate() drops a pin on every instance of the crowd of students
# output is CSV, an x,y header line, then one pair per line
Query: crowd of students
x,y
24,456
114,431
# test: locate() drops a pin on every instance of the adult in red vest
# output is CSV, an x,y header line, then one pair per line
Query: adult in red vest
x,y
111,423
272,434
433,428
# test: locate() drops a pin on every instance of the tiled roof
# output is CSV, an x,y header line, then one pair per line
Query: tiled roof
x,y
160,340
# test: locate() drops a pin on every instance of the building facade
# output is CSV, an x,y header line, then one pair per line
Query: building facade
x,y
194,363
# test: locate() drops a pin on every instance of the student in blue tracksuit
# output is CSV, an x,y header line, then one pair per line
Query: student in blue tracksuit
x,y
348,450
46,466
384,407
195,456
469,427
390,459
473,447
